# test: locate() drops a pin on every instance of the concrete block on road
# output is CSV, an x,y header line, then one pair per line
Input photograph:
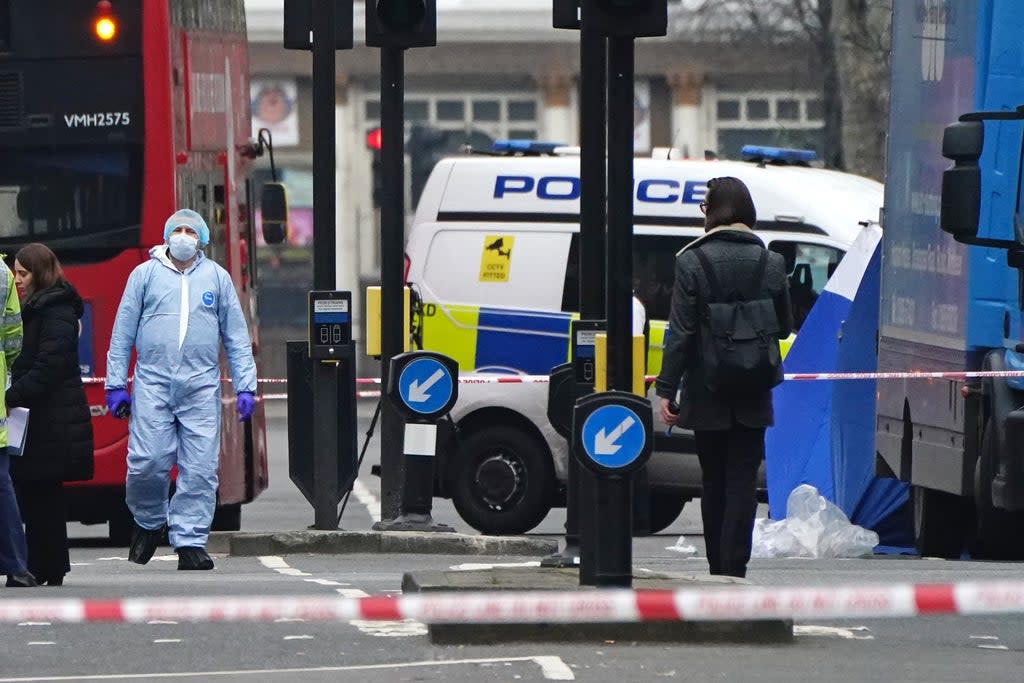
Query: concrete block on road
x,y
252,543
567,579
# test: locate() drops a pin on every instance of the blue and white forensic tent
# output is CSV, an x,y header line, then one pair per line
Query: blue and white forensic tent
x,y
824,433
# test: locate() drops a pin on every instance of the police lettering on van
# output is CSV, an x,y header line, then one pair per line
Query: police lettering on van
x,y
493,258
654,190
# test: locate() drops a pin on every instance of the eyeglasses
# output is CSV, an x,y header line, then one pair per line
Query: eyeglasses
x,y
703,207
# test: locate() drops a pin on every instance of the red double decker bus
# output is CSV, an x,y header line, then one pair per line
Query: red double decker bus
x,y
112,115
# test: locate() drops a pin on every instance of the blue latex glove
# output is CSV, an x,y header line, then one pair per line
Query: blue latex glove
x,y
246,404
119,403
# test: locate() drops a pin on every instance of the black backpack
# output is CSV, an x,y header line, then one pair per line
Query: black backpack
x,y
739,335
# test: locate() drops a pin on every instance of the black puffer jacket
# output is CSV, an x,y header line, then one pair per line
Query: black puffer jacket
x,y
734,252
46,379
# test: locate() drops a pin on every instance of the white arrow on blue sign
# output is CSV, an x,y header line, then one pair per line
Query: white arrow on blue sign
x,y
425,385
613,436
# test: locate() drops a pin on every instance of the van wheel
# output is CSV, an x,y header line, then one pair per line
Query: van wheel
x,y
665,508
504,481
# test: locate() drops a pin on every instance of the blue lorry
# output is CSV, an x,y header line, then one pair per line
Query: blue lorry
x,y
953,274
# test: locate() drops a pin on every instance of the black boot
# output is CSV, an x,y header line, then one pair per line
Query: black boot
x,y
192,557
25,580
144,543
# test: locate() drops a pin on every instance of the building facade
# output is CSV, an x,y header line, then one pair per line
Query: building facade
x,y
501,71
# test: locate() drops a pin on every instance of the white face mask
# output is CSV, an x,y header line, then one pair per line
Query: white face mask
x,y
183,247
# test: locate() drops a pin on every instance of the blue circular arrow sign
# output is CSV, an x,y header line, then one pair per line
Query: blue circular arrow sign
x,y
425,386
614,436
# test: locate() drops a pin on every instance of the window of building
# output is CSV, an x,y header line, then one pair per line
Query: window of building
x,y
781,119
480,116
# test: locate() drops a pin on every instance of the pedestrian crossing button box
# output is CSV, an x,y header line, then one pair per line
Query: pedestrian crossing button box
x,y
330,324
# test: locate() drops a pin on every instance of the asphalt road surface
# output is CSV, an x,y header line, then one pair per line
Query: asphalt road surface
x,y
944,648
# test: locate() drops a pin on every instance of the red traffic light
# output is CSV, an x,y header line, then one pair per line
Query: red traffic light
x,y
373,139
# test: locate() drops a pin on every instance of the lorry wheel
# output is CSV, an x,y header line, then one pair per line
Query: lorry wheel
x,y
665,508
505,481
227,518
997,532
939,523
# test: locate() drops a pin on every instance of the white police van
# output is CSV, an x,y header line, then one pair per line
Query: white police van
x,y
493,261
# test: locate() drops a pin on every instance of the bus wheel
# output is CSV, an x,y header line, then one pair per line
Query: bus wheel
x,y
505,481
665,508
939,523
998,532
227,518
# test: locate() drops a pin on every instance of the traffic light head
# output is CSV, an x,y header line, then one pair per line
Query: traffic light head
x,y
636,18
401,23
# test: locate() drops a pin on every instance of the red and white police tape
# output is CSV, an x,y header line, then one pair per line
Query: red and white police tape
x,y
512,607
791,376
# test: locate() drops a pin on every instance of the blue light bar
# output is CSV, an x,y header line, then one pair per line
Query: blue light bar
x,y
793,156
524,147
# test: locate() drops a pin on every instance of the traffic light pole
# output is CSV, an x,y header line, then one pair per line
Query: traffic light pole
x,y
325,377
392,237
619,301
581,489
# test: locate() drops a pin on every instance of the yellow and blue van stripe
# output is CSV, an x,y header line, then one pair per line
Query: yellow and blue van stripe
x,y
490,339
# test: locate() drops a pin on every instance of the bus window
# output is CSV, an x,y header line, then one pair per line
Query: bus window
x,y
809,267
48,194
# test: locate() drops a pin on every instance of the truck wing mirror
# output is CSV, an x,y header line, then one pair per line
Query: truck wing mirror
x,y
274,212
960,211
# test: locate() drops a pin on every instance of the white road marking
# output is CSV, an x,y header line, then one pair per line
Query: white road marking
x,y
287,620
273,562
471,566
366,497
552,668
984,637
288,571
167,640
301,637
850,633
80,564
42,642
155,622
391,629
170,557
327,582
34,623
993,647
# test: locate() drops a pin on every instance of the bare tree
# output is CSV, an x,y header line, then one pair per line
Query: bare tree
x,y
862,30
842,36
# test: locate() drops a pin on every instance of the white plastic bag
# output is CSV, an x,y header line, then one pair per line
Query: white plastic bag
x,y
683,547
813,528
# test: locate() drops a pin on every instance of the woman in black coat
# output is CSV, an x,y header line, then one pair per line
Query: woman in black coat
x,y
728,429
46,379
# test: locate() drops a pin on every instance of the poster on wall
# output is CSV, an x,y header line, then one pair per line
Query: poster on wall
x,y
642,116
274,106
